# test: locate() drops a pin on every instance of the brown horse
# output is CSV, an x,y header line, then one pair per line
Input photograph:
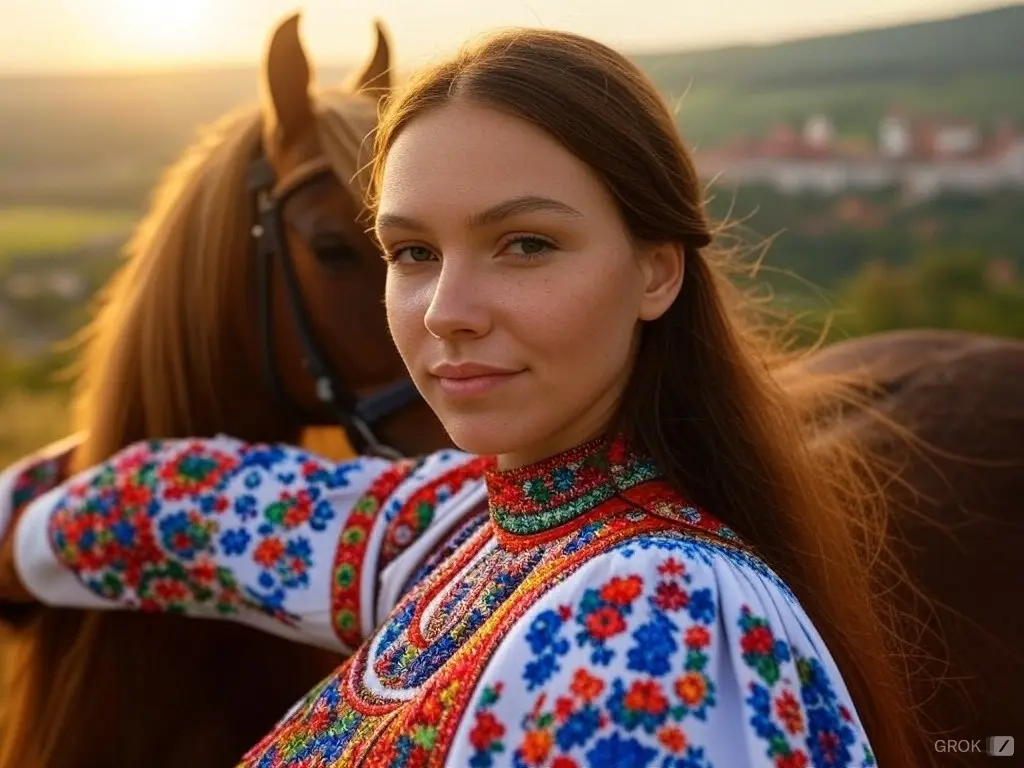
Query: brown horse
x,y
956,511
248,260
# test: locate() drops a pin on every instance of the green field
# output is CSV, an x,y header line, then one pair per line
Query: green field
x,y
27,230
28,421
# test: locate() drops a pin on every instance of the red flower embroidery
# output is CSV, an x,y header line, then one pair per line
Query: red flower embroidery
x,y
604,623
672,738
691,688
697,637
671,567
535,747
669,596
268,552
586,686
619,591
788,709
758,640
564,707
794,760
646,696
486,731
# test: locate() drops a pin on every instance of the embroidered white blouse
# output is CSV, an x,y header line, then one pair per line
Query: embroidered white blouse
x,y
573,613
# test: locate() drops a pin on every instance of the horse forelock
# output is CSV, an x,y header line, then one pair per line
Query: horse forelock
x,y
346,123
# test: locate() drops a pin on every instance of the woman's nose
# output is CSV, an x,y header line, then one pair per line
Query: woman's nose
x,y
458,306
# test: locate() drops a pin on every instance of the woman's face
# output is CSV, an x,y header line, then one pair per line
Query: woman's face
x,y
514,292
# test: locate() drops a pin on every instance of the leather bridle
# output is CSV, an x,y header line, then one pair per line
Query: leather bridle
x,y
357,416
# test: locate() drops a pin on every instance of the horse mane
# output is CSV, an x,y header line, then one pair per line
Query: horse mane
x,y
158,360
148,366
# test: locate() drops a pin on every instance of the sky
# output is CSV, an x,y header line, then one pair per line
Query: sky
x,y
78,35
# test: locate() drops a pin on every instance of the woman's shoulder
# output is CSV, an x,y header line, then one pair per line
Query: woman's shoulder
x,y
666,649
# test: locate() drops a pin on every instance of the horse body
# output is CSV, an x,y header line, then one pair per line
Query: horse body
x,y
955,511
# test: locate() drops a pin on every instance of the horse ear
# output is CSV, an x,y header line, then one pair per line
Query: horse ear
x,y
375,77
285,84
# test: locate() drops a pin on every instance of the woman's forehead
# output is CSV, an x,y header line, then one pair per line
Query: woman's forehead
x,y
470,158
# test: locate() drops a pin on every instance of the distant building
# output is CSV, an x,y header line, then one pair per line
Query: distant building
x,y
922,157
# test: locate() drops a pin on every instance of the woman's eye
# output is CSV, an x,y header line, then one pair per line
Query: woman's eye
x,y
416,253
530,247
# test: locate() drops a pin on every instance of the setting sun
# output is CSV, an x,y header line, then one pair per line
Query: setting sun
x,y
153,30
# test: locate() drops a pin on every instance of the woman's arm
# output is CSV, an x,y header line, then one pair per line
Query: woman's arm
x,y
34,475
218,528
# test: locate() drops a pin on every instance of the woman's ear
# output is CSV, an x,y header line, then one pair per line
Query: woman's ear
x,y
663,266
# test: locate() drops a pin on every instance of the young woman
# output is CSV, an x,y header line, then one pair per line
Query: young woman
x,y
650,568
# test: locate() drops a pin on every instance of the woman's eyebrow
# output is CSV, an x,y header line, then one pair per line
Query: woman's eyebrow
x,y
506,209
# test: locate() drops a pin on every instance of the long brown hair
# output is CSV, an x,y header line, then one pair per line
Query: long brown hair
x,y
703,400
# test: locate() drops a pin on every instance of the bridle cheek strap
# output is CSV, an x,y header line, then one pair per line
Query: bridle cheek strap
x,y
357,416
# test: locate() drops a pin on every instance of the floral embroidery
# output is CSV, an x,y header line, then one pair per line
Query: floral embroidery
x,y
437,670
599,710
414,514
781,715
399,700
554,492
169,526
761,650
36,480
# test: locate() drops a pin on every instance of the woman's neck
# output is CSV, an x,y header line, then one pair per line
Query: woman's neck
x,y
549,448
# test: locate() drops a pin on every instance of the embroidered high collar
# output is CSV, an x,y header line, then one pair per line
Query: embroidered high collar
x,y
540,497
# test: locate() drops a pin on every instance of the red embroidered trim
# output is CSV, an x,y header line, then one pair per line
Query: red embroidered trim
x,y
418,511
416,514
434,585
346,578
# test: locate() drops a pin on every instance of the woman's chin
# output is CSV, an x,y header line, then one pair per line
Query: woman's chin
x,y
485,435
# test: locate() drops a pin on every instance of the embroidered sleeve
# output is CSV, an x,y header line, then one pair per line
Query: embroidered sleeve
x,y
33,476
669,654
268,535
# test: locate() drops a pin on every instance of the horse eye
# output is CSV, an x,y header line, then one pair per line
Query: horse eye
x,y
331,248
336,254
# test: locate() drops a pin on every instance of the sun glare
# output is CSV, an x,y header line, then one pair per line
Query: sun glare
x,y
153,31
